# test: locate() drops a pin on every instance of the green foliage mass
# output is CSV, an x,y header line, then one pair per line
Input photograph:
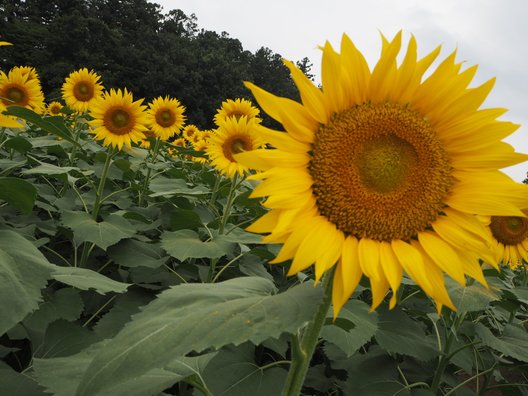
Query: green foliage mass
x,y
132,44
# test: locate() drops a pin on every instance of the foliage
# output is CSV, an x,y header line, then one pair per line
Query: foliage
x,y
123,39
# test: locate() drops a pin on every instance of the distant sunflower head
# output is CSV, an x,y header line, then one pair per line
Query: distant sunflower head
x,y
510,237
118,120
166,117
16,88
201,146
382,172
81,89
236,108
189,131
54,108
149,133
233,136
181,142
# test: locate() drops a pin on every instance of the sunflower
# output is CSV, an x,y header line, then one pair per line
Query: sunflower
x,y
165,117
382,172
29,71
8,121
181,142
81,89
236,108
146,143
510,238
201,146
17,89
189,131
54,108
233,136
118,119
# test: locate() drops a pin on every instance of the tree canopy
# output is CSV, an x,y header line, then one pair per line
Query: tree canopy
x,y
132,44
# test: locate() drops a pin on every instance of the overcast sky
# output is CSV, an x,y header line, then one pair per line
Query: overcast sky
x,y
490,33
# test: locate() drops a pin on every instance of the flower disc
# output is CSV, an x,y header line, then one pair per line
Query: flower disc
x,y
165,117
81,88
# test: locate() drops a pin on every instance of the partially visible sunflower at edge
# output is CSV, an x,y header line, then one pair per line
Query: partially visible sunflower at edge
x,y
236,108
16,88
234,135
118,120
81,89
510,238
382,172
165,117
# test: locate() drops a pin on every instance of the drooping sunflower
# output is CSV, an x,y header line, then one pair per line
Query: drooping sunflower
x,y
189,131
236,108
54,108
383,172
118,119
165,117
81,89
510,238
233,136
16,88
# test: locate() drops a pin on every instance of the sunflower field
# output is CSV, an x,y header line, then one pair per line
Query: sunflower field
x,y
368,246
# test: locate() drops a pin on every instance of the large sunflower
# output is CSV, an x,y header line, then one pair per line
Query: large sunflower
x,y
236,108
233,136
16,88
165,117
510,239
81,89
118,119
383,172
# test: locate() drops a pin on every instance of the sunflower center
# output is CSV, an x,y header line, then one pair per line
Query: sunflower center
x,y
118,121
380,172
235,145
165,118
509,230
83,91
16,96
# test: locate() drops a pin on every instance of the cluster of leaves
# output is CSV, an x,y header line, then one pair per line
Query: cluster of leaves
x,y
147,284
131,43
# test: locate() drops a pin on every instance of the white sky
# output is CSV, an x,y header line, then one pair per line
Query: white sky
x,y
490,33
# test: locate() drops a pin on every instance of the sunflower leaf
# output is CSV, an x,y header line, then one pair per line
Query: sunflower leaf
x,y
24,272
512,342
184,244
17,192
196,317
85,279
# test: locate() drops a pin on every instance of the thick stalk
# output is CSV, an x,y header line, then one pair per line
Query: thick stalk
x,y
229,203
146,183
303,349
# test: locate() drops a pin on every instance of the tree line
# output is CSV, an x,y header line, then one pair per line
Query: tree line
x,y
132,44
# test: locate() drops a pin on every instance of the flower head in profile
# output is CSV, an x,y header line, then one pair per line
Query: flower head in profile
x,y
382,172
16,88
236,108
54,108
510,239
118,120
165,117
233,136
81,89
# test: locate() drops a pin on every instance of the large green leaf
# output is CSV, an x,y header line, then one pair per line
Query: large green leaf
x,y
103,234
184,244
18,192
84,279
233,372
353,328
471,298
61,376
53,125
24,271
398,333
49,169
134,253
165,187
14,383
512,342
195,317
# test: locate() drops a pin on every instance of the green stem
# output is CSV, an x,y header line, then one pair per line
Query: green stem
x,y
302,351
446,356
146,182
229,203
215,190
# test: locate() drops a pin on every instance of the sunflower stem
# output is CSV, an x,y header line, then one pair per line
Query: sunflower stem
x,y
146,182
229,204
303,348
